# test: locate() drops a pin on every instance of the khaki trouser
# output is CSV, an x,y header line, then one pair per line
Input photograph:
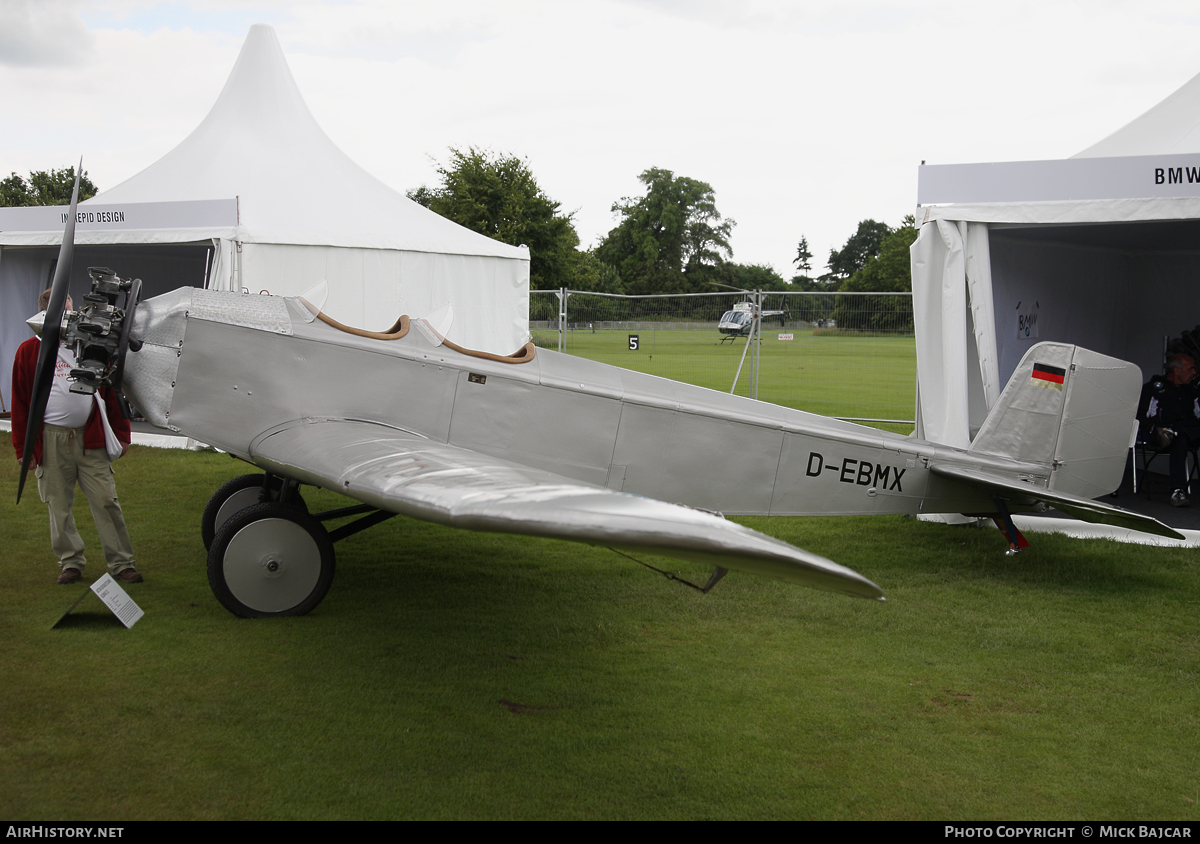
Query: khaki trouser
x,y
64,463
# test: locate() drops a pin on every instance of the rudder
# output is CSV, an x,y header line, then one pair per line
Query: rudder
x,y
1069,409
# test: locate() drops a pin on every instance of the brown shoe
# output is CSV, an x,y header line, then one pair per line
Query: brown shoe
x,y
129,576
68,576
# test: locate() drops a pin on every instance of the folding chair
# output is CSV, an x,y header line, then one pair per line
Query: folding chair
x,y
1146,447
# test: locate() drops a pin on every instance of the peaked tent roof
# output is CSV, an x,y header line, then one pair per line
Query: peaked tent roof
x,y
1170,128
261,144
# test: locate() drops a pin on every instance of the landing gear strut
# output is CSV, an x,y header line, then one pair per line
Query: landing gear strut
x,y
1003,520
238,494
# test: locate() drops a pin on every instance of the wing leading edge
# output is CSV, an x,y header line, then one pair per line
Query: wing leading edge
x,y
403,473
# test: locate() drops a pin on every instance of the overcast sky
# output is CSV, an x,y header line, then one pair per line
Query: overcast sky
x,y
805,117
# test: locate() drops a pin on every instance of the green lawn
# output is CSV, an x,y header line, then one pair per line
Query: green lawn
x,y
460,675
854,376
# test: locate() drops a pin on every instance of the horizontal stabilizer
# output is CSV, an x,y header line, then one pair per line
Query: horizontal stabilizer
x,y
1081,508
404,473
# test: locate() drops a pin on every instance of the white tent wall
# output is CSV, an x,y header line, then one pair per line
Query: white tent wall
x,y
371,288
982,355
494,307
221,270
956,361
939,311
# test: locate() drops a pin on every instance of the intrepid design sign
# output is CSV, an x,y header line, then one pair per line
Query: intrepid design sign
x,y
81,217
192,214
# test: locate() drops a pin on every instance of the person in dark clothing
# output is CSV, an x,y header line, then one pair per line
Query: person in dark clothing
x,y
1170,415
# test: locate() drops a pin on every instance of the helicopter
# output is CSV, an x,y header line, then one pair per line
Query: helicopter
x,y
739,322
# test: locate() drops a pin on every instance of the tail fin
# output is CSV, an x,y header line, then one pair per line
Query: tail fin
x,y
1070,410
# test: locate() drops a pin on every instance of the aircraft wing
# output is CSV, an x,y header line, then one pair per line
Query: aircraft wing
x,y
404,473
1074,505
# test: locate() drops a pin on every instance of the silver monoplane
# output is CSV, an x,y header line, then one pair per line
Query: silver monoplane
x,y
405,421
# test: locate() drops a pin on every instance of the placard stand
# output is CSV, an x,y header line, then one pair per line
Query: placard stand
x,y
113,597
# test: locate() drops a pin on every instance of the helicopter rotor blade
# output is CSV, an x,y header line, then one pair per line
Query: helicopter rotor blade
x,y
43,376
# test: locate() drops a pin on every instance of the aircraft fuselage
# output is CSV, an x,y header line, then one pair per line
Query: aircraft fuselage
x,y
584,420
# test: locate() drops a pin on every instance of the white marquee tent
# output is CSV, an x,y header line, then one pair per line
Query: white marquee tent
x,y
258,198
1101,249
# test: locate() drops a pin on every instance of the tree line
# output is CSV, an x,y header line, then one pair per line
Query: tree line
x,y
44,187
670,239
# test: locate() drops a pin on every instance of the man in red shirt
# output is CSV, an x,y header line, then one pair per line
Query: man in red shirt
x,y
70,449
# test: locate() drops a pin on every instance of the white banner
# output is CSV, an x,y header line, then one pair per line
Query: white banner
x,y
1132,177
199,213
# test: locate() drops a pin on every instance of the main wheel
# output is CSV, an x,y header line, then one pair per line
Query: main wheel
x,y
270,559
238,494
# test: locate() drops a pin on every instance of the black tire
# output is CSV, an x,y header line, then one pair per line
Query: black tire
x,y
271,559
235,495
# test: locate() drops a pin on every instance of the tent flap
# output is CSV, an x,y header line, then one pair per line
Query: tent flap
x,y
939,303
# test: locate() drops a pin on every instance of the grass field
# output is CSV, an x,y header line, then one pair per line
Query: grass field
x,y
459,675
864,377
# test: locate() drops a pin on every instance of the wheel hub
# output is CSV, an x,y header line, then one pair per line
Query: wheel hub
x,y
271,564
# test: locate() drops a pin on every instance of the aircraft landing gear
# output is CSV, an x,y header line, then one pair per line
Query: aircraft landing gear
x,y
271,559
238,494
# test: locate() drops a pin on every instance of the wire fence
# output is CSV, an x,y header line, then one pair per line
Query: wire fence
x,y
850,355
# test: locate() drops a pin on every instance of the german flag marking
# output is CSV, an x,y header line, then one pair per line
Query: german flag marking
x,y
1050,377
